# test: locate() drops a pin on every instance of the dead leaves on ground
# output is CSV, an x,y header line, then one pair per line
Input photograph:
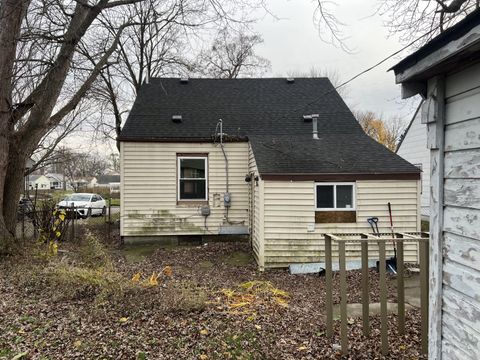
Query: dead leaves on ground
x,y
152,280
249,296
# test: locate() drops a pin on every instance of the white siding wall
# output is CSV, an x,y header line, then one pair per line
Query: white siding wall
x,y
149,189
414,149
461,263
290,209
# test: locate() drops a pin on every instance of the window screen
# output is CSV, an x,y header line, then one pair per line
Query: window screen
x,y
344,196
192,178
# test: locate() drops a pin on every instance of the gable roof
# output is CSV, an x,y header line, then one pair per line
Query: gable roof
x,y
107,179
55,177
268,113
447,57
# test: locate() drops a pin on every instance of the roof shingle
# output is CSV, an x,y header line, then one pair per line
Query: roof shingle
x,y
269,113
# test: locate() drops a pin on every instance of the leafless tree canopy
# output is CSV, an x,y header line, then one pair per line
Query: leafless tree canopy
x,y
52,52
412,18
232,55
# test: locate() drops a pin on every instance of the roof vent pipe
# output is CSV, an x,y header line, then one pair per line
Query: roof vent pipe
x,y
184,80
290,80
315,126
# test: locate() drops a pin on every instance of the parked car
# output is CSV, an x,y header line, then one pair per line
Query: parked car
x,y
85,204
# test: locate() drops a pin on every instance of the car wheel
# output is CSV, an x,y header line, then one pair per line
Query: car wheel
x,y
89,213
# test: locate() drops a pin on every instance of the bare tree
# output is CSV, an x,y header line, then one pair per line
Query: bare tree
x,y
332,74
411,18
408,19
45,74
386,132
231,56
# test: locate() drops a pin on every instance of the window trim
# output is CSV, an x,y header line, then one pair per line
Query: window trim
x,y
334,184
179,172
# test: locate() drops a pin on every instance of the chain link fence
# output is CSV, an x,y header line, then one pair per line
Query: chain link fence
x,y
50,222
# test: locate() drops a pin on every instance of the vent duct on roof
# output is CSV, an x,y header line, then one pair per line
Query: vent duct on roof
x,y
177,118
290,80
184,80
307,118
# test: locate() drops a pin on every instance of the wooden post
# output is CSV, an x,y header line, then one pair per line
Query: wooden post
x,y
365,290
383,297
400,287
328,284
109,219
343,297
424,294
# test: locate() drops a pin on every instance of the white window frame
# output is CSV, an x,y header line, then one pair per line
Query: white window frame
x,y
179,174
334,184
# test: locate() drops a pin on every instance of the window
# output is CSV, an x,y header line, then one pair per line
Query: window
x,y
335,196
192,178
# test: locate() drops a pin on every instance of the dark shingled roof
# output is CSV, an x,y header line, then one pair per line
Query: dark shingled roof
x,y
268,113
107,179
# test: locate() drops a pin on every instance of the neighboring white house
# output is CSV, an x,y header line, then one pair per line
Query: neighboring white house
x,y
40,182
413,148
275,169
57,181
446,72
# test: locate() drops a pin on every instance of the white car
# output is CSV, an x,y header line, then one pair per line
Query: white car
x,y
85,204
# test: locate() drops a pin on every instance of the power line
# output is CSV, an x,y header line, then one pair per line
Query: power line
x,y
366,70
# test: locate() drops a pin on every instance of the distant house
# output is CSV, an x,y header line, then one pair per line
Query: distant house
x,y
287,163
40,182
112,182
413,148
446,73
57,181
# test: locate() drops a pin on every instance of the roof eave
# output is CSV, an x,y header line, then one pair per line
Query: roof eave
x,y
180,139
341,176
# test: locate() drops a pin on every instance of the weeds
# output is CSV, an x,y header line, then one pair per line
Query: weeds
x,y
247,296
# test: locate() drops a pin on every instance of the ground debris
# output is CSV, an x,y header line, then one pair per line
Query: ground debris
x,y
213,306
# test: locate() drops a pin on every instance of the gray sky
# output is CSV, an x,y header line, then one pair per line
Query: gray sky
x,y
292,43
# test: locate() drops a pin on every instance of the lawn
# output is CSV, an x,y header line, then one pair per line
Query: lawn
x,y
205,302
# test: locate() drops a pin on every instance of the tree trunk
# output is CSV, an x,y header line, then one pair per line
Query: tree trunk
x,y
12,13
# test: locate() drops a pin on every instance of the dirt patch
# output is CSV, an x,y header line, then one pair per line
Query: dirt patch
x,y
213,305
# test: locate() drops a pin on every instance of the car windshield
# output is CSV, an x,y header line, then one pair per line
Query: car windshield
x,y
78,197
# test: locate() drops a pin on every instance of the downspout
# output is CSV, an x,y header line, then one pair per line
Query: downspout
x,y
226,196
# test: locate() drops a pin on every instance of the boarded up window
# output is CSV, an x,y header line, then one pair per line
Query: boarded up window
x,y
332,217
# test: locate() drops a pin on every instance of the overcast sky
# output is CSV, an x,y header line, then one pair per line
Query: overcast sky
x,y
292,43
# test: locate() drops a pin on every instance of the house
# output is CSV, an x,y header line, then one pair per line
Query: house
x,y
40,182
446,73
282,161
57,181
111,181
413,148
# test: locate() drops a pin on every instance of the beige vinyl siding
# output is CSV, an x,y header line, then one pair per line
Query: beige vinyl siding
x,y
257,230
461,225
290,210
149,189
